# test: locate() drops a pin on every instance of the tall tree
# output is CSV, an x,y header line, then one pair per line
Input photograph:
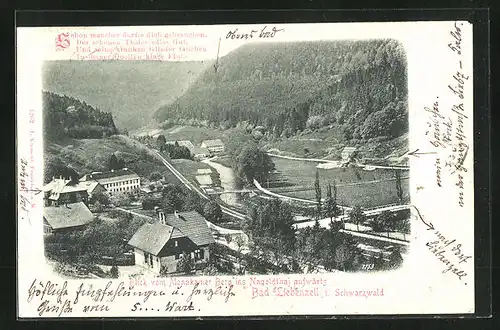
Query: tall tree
x,y
173,198
357,216
161,140
212,211
113,162
253,163
121,163
317,189
330,203
399,186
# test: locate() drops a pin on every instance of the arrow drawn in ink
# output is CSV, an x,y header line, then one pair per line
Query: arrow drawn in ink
x,y
36,190
429,225
416,153
216,65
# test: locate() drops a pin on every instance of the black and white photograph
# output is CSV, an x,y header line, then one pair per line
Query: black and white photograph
x,y
286,157
303,169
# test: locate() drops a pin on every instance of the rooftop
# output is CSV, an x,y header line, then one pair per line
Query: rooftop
x,y
192,225
213,143
350,149
204,180
63,186
67,216
153,237
110,174
200,151
183,143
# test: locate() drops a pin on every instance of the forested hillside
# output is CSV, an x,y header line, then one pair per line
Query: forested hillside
x,y
66,116
357,88
131,90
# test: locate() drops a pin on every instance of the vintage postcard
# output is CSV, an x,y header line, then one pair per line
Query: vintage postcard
x,y
245,170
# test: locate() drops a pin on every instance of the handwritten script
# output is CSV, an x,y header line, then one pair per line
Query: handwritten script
x,y
447,250
263,33
445,127
57,298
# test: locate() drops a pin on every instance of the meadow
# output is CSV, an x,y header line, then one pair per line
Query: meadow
x,y
354,185
89,155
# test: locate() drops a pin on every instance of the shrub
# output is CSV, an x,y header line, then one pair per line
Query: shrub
x,y
113,272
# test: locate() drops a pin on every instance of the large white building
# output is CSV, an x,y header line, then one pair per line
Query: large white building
x,y
123,180
214,146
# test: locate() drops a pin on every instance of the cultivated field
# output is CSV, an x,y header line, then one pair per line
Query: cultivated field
x,y
189,169
354,185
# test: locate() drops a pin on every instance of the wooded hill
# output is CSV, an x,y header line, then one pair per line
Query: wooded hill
x,y
358,88
65,116
130,90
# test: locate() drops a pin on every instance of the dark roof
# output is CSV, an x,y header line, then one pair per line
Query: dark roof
x,y
110,174
192,225
67,216
151,237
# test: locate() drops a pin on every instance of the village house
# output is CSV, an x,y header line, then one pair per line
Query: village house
x,y
63,190
160,245
348,153
123,180
214,146
67,217
200,153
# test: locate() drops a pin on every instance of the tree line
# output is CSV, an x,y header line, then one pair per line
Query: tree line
x,y
65,116
357,88
271,227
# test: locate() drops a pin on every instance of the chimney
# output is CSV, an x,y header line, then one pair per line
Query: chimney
x,y
161,216
176,214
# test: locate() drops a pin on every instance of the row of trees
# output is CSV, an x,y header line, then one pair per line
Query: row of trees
x,y
177,198
100,238
270,225
327,207
174,151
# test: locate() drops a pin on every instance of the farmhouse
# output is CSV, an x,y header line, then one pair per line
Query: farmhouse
x,y
214,146
123,180
62,190
200,153
348,153
67,217
160,245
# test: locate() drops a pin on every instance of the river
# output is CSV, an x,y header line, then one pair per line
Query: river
x,y
228,182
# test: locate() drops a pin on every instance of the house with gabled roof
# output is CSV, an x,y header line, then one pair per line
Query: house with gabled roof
x,y
122,180
67,217
348,153
63,190
214,146
160,245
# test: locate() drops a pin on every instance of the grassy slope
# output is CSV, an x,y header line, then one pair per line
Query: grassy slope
x,y
194,134
131,90
189,169
87,155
